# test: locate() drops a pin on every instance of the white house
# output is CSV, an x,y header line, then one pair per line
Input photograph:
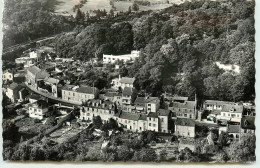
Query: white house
x,y
39,109
126,57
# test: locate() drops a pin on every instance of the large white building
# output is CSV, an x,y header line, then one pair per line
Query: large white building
x,y
126,57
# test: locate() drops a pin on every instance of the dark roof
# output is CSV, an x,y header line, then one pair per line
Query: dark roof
x,y
233,128
233,108
163,112
143,117
127,80
110,94
34,69
13,86
185,122
139,100
151,99
129,116
127,91
186,105
248,123
153,115
35,96
87,89
41,104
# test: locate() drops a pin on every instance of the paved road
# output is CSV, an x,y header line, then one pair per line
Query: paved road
x,y
51,97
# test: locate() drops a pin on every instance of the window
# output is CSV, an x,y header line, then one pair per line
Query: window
x,y
30,108
164,131
154,125
10,76
162,119
149,109
224,114
4,76
149,105
150,118
185,115
150,124
73,94
153,119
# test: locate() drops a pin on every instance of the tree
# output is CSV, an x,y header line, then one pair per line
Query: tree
x,y
97,122
124,153
145,155
135,7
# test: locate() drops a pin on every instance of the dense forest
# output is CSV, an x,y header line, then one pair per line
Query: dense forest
x,y
179,47
26,20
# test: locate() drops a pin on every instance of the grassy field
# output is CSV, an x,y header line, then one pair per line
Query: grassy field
x,y
65,7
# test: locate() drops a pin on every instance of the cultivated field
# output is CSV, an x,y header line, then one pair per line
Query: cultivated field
x,y
65,7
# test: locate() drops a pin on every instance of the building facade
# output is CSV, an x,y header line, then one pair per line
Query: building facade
x,y
127,57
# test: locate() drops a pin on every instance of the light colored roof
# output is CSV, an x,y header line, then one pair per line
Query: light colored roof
x,y
52,80
127,80
42,75
233,108
34,69
151,99
42,104
217,102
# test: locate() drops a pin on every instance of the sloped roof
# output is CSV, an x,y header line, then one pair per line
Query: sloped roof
x,y
233,128
127,91
34,69
143,117
217,102
14,85
127,80
129,116
185,122
248,122
186,105
87,90
163,112
110,94
52,80
42,75
41,104
153,115
234,108
35,96
151,99
139,100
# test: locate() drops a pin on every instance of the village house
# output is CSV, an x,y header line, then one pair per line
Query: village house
x,y
185,127
128,120
147,104
12,92
122,82
128,95
8,75
153,122
54,85
34,98
142,123
233,131
93,108
79,94
184,110
110,59
215,104
232,113
34,75
164,117
39,109
247,125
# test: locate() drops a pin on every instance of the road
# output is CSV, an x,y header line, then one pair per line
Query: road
x,y
51,97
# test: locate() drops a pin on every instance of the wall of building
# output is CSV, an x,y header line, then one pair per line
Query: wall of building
x,y
37,112
153,124
74,96
185,131
7,76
